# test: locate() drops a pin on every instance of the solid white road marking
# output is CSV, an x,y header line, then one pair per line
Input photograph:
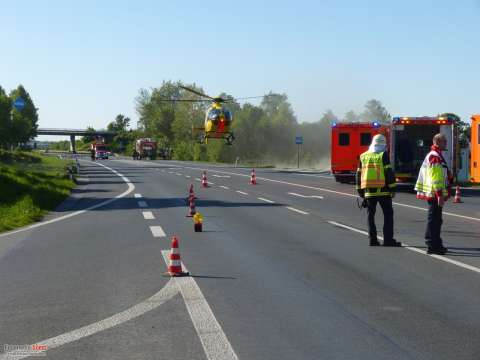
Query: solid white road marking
x,y
241,192
224,187
266,200
148,215
142,204
157,231
297,210
327,190
406,246
213,339
137,196
306,196
165,294
131,187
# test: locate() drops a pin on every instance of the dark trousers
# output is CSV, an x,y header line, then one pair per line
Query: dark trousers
x,y
387,208
434,225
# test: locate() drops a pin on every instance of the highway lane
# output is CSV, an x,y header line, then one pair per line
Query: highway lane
x,y
424,276
460,233
281,283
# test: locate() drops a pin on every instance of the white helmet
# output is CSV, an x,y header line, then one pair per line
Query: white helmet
x,y
379,140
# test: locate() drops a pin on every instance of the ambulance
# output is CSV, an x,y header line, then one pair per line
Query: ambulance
x,y
475,150
348,142
411,140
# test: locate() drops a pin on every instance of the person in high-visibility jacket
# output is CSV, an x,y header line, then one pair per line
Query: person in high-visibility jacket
x,y
375,182
433,184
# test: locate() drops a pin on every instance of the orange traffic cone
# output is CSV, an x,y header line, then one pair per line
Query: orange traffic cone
x,y
191,194
175,264
204,179
191,207
253,178
457,195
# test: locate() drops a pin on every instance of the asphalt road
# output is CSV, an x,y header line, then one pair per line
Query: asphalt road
x,y
281,271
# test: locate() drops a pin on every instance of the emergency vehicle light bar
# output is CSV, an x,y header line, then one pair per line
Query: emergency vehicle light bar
x,y
421,120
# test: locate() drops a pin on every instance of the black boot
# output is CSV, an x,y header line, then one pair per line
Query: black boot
x,y
374,242
437,250
392,243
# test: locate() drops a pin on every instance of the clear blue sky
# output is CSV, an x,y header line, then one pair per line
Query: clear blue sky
x,y
84,62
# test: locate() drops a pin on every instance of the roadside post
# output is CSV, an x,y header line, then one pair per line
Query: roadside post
x,y
298,141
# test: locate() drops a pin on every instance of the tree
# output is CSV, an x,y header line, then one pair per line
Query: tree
x,y
374,111
90,136
24,122
156,114
120,124
5,126
351,116
328,118
463,128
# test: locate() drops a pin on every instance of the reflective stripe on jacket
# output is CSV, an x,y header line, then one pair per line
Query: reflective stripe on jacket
x,y
375,175
433,180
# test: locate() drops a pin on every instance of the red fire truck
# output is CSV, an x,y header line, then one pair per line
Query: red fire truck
x,y
411,141
100,150
348,142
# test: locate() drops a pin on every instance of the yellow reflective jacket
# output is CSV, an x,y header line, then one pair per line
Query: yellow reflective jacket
x,y
375,175
433,178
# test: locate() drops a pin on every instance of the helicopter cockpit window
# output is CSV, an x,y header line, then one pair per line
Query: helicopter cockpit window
x,y
228,115
213,114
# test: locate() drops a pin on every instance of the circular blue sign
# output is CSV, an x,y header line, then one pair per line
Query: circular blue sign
x,y
19,104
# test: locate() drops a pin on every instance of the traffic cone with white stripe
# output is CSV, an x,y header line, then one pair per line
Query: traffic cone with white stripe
x,y
175,263
457,195
191,194
191,207
253,178
204,179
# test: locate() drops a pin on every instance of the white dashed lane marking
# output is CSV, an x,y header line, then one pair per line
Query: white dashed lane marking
x,y
266,200
241,192
157,231
297,210
306,196
148,215
224,187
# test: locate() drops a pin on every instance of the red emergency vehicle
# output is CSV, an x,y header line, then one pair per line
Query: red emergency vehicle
x,y
348,142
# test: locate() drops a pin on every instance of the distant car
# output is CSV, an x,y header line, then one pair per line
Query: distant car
x,y
103,155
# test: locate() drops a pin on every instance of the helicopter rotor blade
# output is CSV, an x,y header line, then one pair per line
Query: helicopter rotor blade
x,y
196,92
184,100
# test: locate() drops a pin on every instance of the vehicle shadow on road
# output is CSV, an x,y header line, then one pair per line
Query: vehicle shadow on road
x,y
128,203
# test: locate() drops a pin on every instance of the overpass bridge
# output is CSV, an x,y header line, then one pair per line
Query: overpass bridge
x,y
74,132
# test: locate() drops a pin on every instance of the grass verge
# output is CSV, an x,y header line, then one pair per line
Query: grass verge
x,y
30,186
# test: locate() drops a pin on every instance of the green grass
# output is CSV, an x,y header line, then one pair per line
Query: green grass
x,y
30,186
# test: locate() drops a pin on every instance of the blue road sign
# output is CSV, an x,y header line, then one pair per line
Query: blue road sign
x,y
299,140
19,104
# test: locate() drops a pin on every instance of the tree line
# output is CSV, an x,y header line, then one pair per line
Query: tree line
x,y
16,127
264,133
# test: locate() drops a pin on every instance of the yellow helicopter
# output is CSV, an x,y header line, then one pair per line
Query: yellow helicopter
x,y
218,118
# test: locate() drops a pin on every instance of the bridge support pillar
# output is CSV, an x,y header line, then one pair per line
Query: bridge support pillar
x,y
73,149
